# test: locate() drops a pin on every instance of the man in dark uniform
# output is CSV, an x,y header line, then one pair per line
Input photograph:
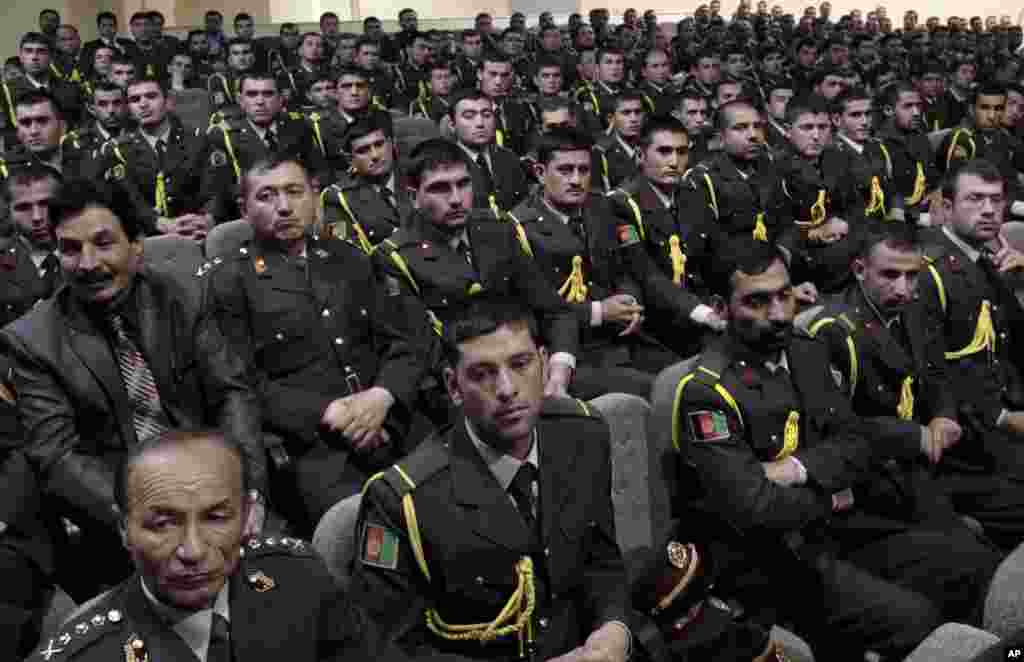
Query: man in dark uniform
x,y
34,53
705,72
929,81
233,146
119,354
446,253
225,88
914,173
41,125
547,79
468,62
64,61
296,80
597,100
499,183
150,56
956,102
106,31
660,210
382,84
513,515
694,112
159,166
109,111
512,116
571,235
891,364
778,90
660,95
411,78
337,369
619,150
435,104
29,262
200,589
783,461
369,203
965,295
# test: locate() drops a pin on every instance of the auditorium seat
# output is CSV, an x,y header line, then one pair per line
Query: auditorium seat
x,y
227,238
952,642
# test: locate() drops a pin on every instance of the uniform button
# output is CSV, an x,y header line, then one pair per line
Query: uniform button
x,y
362,311
279,336
326,313
444,302
348,368
480,580
1002,335
543,622
339,341
547,551
880,388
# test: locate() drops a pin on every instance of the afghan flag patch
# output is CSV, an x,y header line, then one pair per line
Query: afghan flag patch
x,y
380,546
709,425
627,235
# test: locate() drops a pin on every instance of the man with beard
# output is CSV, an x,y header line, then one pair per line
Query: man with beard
x,y
619,149
109,113
914,174
369,203
785,463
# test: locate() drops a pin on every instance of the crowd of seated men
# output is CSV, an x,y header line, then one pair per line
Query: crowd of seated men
x,y
250,283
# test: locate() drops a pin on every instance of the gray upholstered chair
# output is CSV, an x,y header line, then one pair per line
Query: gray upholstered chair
x,y
1004,605
952,642
227,238
179,257
335,538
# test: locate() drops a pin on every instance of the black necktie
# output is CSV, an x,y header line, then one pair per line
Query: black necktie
x,y
521,491
388,197
462,247
485,168
49,270
271,140
161,152
219,649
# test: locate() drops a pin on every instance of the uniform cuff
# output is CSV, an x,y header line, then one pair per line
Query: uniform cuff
x,y
596,313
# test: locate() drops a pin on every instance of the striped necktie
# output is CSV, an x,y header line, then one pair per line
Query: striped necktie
x,y
147,413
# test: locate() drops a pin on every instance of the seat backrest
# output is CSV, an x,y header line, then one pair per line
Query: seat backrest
x,y
627,418
663,461
335,538
227,238
178,257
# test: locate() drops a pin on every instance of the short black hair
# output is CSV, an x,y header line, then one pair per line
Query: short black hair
x,y
898,236
660,124
989,89
307,35
236,41
364,126
365,41
562,140
29,173
892,92
78,194
433,154
329,14
723,113
156,80
257,75
848,95
483,315
983,169
609,50
265,165
38,96
35,38
804,104
553,104
105,86
465,94
169,440
745,254
627,95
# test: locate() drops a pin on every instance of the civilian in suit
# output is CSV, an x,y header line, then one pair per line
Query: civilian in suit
x,y
336,366
117,355
513,514
200,591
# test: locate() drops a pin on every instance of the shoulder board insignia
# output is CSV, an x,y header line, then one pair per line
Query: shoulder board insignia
x,y
273,545
431,457
79,632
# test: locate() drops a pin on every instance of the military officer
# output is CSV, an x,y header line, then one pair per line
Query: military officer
x,y
783,461
225,87
435,104
778,90
35,55
597,100
233,146
369,203
295,82
915,176
513,521
661,211
660,95
447,252
571,235
382,84
354,101
499,183
159,165
109,110
40,125
201,590
339,372
412,77
619,150
512,117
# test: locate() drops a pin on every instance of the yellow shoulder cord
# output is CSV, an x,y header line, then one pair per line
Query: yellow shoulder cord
x,y
939,287
919,186
593,99
361,238
760,232
524,241
605,171
711,192
790,436
584,407
399,261
574,289
10,104
851,348
57,72
3,168
314,118
423,107
637,215
877,204
516,617
73,137
291,76
952,145
678,257
650,104
492,202
76,76
905,408
818,211
888,159
231,152
721,390
160,195
984,335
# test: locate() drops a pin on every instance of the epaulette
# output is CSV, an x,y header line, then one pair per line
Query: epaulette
x,y
207,267
567,407
271,545
79,633
429,459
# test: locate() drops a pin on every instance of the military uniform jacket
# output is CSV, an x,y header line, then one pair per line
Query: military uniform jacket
x,y
132,165
726,444
906,151
314,334
295,83
433,108
72,399
735,200
598,101
294,138
80,147
508,182
410,82
473,537
281,599
775,134
654,227
658,102
466,72
355,200
988,381
841,163
22,284
224,91
441,280
616,164
512,120
68,95
996,145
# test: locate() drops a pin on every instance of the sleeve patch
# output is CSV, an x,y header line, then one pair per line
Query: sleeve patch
x,y
627,235
708,425
380,546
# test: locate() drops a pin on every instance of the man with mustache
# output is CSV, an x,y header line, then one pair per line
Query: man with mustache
x,y
891,363
118,354
782,460
159,166
449,252
512,500
331,353
202,589
914,174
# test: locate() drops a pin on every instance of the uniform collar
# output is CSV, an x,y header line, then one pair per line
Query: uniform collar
x,y
503,467
971,252
192,626
857,147
630,151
